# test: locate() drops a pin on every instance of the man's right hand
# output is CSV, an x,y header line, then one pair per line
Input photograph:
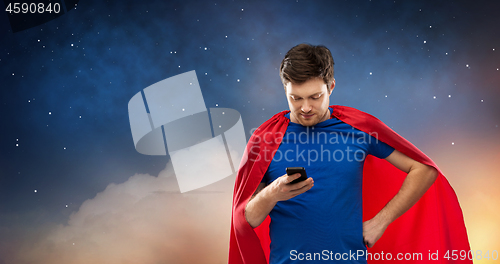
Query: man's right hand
x,y
266,197
281,190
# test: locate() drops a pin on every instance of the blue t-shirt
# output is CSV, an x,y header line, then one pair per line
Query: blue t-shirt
x,y
324,223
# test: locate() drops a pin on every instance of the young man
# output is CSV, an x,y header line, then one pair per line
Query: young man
x,y
321,218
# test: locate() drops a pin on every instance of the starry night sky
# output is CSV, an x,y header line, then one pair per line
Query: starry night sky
x,y
428,69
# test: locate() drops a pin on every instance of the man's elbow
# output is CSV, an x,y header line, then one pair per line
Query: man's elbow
x,y
431,173
250,222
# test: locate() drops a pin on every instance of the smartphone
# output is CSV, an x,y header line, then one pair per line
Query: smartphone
x,y
293,170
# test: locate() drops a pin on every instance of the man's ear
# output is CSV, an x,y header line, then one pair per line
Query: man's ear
x,y
332,86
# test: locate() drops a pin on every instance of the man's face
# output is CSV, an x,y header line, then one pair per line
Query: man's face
x,y
308,101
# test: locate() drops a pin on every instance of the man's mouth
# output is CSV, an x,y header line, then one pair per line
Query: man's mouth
x,y
307,116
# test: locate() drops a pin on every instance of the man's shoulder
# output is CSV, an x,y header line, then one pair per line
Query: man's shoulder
x,y
341,111
275,119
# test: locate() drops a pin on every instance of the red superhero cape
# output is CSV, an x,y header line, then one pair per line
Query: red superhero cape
x,y
429,231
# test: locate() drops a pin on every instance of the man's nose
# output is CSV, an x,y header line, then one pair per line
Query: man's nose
x,y
306,107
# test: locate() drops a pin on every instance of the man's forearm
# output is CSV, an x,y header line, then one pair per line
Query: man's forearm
x,y
416,183
261,204
259,207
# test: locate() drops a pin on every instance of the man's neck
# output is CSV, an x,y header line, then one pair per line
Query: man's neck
x,y
326,116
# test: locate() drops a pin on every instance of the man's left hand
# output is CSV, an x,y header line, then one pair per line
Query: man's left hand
x,y
372,231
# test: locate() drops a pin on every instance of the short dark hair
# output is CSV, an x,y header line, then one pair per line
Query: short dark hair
x,y
304,62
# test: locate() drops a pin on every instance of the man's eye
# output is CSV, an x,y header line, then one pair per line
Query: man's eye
x,y
316,97
296,98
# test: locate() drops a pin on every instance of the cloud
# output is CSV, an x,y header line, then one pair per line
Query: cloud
x,y
143,220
